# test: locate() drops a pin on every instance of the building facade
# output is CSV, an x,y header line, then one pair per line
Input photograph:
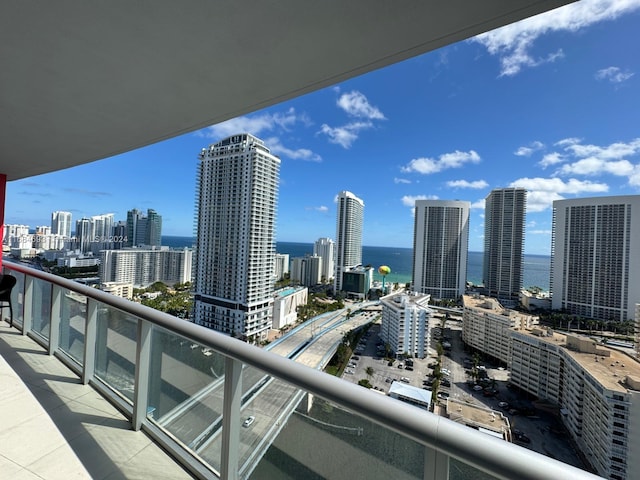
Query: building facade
x,y
595,389
142,267
405,324
285,306
236,217
440,244
595,268
61,223
325,249
504,223
486,326
281,266
349,222
306,270
143,230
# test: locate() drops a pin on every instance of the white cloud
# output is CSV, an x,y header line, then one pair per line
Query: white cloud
x,y
551,159
357,105
594,160
528,151
256,124
567,141
634,178
299,154
401,180
477,184
597,166
538,232
321,208
613,75
478,205
445,161
513,43
410,200
345,135
541,192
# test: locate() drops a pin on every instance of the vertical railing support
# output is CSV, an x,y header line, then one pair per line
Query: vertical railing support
x,y
91,334
54,323
231,419
436,465
27,317
143,363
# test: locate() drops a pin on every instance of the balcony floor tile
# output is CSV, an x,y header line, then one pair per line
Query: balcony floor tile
x,y
54,427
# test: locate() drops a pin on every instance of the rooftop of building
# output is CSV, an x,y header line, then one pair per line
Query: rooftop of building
x,y
476,416
492,305
610,367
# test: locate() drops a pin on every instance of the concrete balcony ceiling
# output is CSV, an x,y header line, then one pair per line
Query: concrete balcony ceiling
x,y
82,81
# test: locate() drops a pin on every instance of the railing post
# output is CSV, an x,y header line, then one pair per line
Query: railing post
x,y
143,363
27,317
436,465
54,319
90,341
231,419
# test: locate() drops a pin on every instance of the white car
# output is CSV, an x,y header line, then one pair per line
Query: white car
x,y
248,421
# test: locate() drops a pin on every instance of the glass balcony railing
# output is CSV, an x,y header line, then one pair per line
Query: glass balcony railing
x,y
226,409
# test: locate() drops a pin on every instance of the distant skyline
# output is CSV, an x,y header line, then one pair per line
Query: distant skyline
x,y
550,104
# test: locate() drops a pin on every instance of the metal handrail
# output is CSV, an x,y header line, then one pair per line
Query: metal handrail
x,y
491,455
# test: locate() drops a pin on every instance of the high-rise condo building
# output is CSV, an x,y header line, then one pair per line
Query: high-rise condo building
x,y
83,234
325,249
61,223
595,266
236,217
144,230
440,244
349,223
504,222
142,267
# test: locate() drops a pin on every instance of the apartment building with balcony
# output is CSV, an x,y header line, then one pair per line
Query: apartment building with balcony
x,y
237,193
594,270
440,247
405,324
487,325
596,389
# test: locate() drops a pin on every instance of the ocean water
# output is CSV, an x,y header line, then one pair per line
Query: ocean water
x,y
400,260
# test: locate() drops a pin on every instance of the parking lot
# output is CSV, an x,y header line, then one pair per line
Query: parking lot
x,y
537,429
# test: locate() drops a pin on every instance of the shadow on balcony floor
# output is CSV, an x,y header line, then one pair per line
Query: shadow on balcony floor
x,y
53,427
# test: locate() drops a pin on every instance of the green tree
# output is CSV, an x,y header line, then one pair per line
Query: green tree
x,y
369,371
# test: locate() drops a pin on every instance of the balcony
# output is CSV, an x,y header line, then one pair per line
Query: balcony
x,y
112,386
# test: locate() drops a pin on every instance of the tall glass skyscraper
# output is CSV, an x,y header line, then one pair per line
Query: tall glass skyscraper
x,y
595,266
237,193
349,223
504,220
440,244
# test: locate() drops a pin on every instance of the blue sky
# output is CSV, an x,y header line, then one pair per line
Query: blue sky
x,y
551,104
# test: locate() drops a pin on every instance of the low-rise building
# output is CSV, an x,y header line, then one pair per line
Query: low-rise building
x,y
486,325
596,388
285,306
483,419
124,290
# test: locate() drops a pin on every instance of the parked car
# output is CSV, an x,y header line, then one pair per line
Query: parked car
x,y
248,421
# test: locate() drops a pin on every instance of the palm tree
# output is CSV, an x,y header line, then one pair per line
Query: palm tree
x,y
369,371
